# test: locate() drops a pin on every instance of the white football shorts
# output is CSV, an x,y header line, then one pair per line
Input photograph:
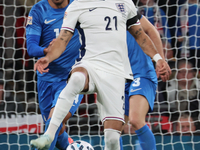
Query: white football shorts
x,y
109,89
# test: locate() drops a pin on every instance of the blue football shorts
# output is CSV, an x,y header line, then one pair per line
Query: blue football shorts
x,y
48,93
140,86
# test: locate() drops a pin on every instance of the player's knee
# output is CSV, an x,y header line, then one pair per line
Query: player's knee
x,y
112,139
77,78
136,122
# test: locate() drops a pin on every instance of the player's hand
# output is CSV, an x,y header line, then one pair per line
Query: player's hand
x,y
163,70
41,65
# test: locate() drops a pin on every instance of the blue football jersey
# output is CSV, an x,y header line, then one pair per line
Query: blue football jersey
x,y
45,21
141,64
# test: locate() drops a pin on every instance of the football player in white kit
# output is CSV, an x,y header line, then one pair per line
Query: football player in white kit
x,y
104,65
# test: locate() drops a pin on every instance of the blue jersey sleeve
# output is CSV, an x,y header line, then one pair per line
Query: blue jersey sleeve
x,y
33,48
33,34
34,25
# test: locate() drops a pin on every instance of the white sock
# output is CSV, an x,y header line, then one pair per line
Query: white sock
x,y
65,101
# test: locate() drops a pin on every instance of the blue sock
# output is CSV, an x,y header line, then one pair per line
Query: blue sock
x,y
56,135
62,141
146,138
121,143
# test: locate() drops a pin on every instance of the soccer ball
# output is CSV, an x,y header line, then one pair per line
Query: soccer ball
x,y
80,145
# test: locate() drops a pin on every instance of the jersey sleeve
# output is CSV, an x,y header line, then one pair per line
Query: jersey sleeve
x,y
33,33
33,25
71,17
132,16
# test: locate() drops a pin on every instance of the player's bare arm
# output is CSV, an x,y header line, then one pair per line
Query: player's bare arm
x,y
143,40
55,50
162,68
154,35
59,46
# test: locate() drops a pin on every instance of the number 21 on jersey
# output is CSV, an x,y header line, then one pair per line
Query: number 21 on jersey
x,y
109,20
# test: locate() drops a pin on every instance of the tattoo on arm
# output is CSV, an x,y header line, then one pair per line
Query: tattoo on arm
x,y
144,41
64,36
137,32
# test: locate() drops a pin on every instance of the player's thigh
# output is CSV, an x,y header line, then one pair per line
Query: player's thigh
x,y
110,99
138,107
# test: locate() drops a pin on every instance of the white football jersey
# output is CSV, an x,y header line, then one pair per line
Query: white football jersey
x,y
102,26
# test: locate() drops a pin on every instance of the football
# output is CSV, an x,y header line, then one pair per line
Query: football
x,y
80,145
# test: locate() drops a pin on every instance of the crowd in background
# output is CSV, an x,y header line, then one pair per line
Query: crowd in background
x,y
177,21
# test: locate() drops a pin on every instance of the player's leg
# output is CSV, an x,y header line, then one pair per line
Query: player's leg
x,y
62,139
139,104
78,82
45,98
48,93
56,88
112,133
138,108
126,110
110,96
137,113
61,136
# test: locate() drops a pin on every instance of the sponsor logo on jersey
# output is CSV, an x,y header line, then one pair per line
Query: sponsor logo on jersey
x,y
29,20
65,15
91,9
48,21
120,7
135,90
